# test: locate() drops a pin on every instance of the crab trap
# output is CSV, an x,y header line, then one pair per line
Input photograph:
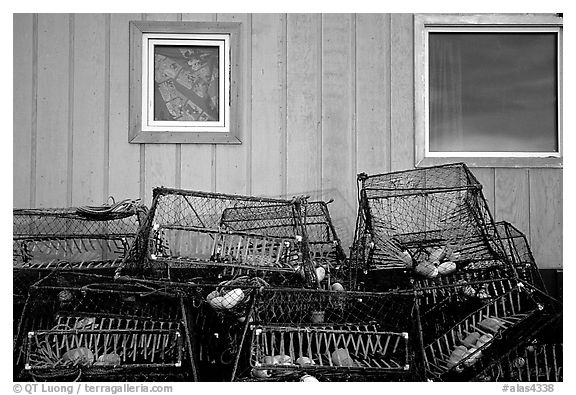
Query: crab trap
x,y
425,223
191,236
323,245
467,347
77,324
90,239
332,335
536,355
539,362
519,253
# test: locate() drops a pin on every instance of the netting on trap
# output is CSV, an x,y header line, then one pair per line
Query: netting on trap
x,y
283,351
305,307
323,244
428,223
539,362
217,319
332,335
519,253
75,321
184,239
441,306
91,239
491,330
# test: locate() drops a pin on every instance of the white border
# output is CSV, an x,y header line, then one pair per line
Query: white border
x,y
222,41
489,154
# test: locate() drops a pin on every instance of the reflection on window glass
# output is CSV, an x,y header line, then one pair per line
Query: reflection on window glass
x,y
186,83
493,92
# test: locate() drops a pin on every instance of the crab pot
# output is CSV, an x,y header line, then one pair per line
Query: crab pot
x,y
331,335
519,253
305,307
70,239
540,362
323,243
327,351
443,305
185,239
426,222
143,326
109,346
491,331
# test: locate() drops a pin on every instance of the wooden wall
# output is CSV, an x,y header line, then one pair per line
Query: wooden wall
x,y
330,96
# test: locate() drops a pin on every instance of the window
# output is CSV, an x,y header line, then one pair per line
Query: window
x,y
488,89
185,82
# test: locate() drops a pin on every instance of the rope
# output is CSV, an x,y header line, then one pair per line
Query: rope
x,y
118,210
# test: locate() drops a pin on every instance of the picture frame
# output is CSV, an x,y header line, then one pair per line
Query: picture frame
x,y
185,82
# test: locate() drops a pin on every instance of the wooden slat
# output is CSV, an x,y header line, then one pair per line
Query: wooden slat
x,y
338,139
231,160
124,158
303,104
159,159
512,198
89,101
486,177
197,160
53,110
402,88
268,108
546,217
23,108
373,92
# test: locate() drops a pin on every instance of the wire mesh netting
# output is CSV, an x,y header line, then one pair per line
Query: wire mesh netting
x,y
90,239
540,362
519,253
490,331
46,237
322,240
426,223
332,335
191,235
84,322
284,350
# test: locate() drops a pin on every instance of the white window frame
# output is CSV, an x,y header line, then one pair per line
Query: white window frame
x,y
149,42
424,24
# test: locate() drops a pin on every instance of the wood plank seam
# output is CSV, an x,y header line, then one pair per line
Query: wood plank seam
x,y
248,111
70,148
284,113
34,119
320,126
106,183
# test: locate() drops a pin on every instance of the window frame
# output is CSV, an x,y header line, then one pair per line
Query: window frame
x,y
144,36
426,23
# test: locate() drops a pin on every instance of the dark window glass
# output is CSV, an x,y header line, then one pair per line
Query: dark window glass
x,y
494,92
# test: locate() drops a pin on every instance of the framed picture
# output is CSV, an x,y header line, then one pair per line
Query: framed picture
x,y
184,82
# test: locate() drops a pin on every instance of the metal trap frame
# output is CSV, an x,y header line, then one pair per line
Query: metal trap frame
x,y
310,328
520,254
88,239
491,330
411,222
104,328
184,239
324,246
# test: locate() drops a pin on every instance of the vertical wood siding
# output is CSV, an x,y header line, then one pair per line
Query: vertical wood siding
x,y
328,96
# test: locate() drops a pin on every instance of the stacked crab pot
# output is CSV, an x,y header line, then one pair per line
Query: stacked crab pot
x,y
429,230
